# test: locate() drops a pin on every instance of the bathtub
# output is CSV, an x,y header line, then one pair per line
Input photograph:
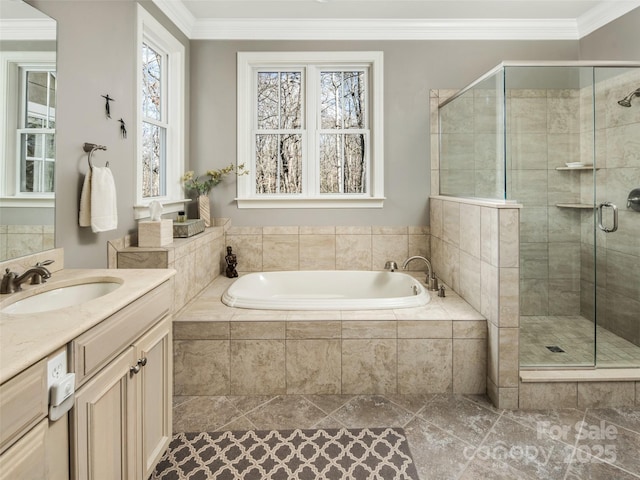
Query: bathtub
x,y
326,290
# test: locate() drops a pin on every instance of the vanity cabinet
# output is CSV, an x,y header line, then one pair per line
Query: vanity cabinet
x,y
121,420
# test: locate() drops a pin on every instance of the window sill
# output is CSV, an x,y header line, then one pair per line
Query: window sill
x,y
168,206
336,202
28,202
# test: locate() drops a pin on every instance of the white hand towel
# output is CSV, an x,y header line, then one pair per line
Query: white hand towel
x,y
84,218
104,207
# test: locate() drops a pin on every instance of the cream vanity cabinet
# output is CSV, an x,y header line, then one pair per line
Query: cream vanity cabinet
x,y
32,447
121,421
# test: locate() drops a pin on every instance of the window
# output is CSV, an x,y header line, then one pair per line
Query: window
x,y
310,129
161,130
29,100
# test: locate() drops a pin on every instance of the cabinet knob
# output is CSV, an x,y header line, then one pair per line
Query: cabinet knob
x,y
142,361
135,369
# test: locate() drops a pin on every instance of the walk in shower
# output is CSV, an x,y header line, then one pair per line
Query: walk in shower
x,y
562,140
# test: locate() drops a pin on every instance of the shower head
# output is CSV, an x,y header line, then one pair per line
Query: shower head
x,y
626,101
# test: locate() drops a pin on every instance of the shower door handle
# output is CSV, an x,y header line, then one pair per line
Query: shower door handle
x,y
615,217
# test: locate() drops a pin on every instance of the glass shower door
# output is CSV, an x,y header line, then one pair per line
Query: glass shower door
x,y
616,223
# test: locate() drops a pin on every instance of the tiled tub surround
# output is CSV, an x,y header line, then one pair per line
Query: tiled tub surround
x,y
437,348
269,248
197,260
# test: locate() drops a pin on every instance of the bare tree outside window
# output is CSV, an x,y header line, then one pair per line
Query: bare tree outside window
x,y
153,127
342,151
278,141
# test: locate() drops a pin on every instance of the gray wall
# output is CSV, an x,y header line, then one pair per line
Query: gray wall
x,y
96,56
618,40
412,68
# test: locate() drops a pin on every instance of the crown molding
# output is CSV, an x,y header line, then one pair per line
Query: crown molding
x,y
178,14
28,29
384,29
392,29
602,14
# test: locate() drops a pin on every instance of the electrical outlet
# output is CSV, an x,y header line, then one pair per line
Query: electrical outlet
x,y
56,368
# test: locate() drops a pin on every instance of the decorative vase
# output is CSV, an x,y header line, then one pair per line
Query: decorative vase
x,y
203,209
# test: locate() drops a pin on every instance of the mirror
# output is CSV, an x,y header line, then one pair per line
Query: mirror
x,y
27,143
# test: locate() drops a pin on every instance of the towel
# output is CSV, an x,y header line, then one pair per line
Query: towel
x,y
98,204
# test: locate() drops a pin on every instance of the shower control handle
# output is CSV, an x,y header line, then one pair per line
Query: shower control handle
x,y
615,217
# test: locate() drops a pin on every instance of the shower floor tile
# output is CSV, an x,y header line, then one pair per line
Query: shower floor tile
x,y
575,336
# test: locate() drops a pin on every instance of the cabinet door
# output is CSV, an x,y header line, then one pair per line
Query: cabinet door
x,y
26,459
155,355
103,423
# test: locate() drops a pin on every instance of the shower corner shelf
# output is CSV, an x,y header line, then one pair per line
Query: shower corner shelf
x,y
578,168
583,206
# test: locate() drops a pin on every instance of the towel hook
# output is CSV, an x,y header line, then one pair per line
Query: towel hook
x,y
92,147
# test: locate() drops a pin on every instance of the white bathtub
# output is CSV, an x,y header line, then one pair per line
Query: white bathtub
x,y
326,290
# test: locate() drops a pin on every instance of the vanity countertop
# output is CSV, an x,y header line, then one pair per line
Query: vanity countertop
x,y
27,338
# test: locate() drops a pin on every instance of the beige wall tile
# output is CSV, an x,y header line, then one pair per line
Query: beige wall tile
x,y
311,330
508,369
353,252
257,367
493,352
509,238
470,229
317,252
507,398
353,230
489,276
419,245
509,301
451,223
450,265
470,285
257,330
470,329
318,230
248,249
201,330
469,366
606,394
369,366
548,395
281,230
280,252
201,367
369,329
425,366
388,247
424,329
387,230
313,367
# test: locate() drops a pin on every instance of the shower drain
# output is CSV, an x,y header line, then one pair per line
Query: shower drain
x,y
555,349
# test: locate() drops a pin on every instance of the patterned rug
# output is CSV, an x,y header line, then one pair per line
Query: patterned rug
x,y
369,453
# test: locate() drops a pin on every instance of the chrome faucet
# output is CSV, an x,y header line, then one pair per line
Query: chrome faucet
x,y
431,281
391,265
12,282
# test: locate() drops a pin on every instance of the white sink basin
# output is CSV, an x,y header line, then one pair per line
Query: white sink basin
x,y
61,297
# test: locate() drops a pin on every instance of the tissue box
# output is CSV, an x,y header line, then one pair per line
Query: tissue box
x,y
155,233
188,228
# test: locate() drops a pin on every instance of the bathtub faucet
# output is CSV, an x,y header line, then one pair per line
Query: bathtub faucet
x,y
431,281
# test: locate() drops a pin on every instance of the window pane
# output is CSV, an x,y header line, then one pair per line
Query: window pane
x,y
151,83
37,163
268,100
342,100
37,97
291,100
342,163
279,100
153,160
278,163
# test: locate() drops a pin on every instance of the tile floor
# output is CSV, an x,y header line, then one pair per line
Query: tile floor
x,y
450,436
575,335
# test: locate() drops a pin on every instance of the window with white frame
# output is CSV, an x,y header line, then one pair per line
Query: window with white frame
x,y
161,130
310,129
29,100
